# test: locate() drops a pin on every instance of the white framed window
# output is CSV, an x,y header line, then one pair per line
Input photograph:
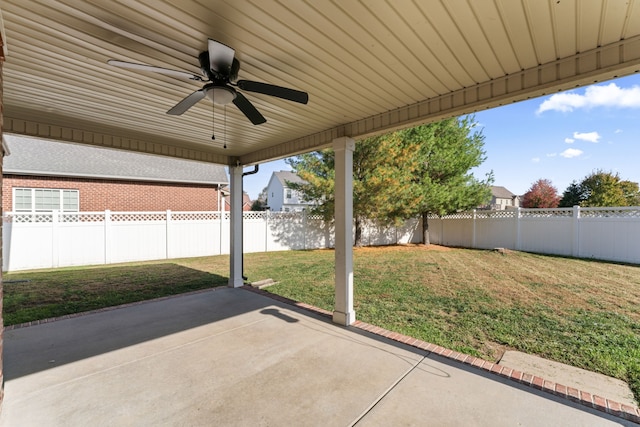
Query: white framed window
x,y
288,193
45,200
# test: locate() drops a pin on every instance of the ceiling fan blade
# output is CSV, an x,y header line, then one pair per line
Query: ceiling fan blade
x,y
143,67
248,109
188,102
273,90
220,57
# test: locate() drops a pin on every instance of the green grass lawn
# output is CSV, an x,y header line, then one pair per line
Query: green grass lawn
x,y
40,294
580,312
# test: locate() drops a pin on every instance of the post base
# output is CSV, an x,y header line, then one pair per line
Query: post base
x,y
344,319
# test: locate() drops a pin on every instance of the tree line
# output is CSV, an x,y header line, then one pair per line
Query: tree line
x,y
425,170
598,189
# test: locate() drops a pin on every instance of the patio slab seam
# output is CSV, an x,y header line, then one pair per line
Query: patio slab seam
x,y
590,400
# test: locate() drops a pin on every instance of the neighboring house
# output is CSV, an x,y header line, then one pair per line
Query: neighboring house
x,y
502,199
246,200
42,175
281,198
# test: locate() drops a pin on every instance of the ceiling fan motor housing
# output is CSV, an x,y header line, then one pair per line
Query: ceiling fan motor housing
x,y
231,74
220,94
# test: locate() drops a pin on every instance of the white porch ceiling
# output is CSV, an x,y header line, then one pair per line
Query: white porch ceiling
x,y
369,66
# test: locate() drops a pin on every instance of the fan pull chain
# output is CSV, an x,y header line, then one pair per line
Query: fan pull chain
x,y
225,127
213,117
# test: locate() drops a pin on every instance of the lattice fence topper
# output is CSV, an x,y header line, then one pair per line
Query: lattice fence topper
x,y
195,216
254,215
546,213
96,217
612,212
457,215
506,214
28,217
138,216
624,212
81,217
285,216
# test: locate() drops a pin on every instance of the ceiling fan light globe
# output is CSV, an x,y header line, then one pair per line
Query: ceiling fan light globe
x,y
221,95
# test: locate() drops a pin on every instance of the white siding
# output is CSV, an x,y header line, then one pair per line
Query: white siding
x,y
275,194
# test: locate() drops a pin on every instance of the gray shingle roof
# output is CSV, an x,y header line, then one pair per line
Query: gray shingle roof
x,y
501,192
288,176
33,156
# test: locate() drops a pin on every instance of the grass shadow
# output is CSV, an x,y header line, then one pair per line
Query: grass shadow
x,y
36,295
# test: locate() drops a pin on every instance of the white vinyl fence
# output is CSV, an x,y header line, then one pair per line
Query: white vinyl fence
x,y
57,239
48,240
611,234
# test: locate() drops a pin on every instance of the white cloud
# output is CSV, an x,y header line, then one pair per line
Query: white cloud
x,y
618,131
587,136
552,154
610,95
535,160
569,140
571,152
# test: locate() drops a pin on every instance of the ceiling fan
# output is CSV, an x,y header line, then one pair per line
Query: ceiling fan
x,y
220,70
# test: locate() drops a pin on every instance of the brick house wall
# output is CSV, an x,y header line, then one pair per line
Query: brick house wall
x,y
116,195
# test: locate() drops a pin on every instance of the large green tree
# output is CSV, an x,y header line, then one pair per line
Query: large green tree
x,y
601,189
631,192
317,169
572,196
405,174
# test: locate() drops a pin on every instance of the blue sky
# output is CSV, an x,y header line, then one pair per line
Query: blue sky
x,y
562,137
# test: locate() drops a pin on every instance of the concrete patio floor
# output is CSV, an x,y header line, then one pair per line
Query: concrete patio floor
x,y
233,357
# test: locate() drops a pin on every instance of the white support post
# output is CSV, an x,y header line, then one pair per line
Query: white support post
x,y
344,313
235,232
